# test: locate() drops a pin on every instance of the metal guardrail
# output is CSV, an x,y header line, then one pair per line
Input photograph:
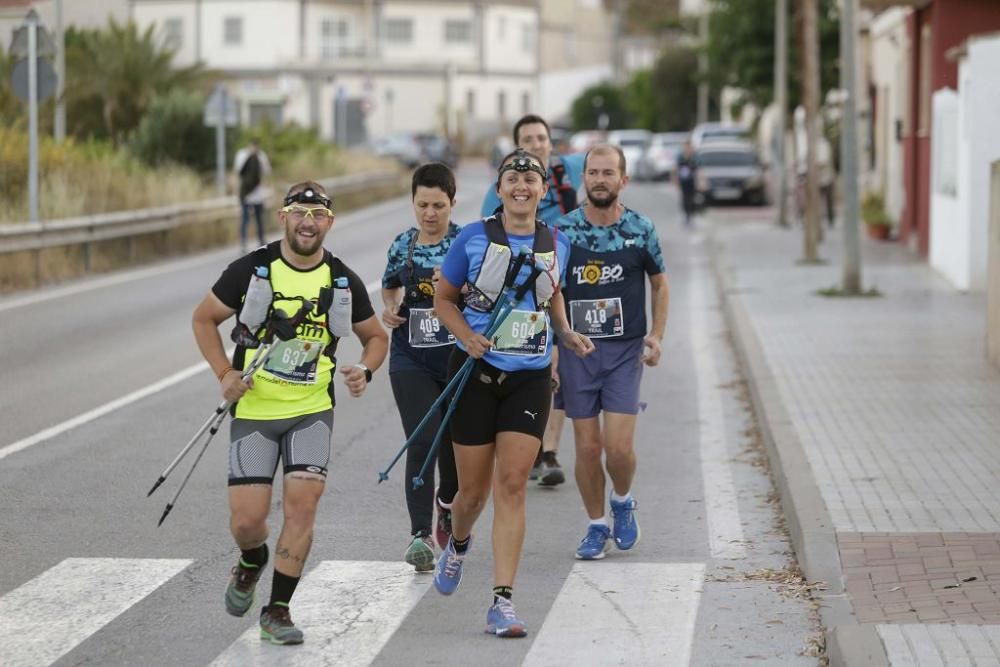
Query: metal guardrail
x,y
20,237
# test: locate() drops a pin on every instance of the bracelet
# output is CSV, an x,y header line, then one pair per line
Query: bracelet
x,y
224,371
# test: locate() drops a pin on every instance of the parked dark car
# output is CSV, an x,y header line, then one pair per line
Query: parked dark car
x,y
402,146
437,148
730,172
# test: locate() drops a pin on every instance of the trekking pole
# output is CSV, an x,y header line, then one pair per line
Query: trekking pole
x,y
505,309
453,384
281,326
213,422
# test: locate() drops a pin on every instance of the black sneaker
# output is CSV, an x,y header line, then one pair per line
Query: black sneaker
x,y
536,470
552,472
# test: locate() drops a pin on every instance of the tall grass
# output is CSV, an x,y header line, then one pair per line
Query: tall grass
x,y
86,179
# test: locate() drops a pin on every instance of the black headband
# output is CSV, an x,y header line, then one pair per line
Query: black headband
x,y
308,196
522,162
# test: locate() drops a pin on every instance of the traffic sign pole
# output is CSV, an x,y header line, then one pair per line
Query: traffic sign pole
x,y
220,144
32,116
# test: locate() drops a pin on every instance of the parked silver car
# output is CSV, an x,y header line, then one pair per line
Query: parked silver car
x,y
730,172
711,132
660,159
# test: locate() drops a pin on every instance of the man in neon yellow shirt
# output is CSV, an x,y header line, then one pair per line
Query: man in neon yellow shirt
x,y
285,411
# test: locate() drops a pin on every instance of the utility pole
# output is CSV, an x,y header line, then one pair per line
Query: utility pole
x,y
810,100
781,97
849,150
60,120
703,66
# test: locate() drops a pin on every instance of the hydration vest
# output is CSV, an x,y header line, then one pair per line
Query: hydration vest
x,y
497,258
260,294
565,192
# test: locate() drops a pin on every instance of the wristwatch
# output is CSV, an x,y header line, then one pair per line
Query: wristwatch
x,y
368,372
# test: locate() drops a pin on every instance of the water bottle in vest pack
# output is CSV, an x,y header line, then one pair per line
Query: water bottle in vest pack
x,y
339,315
256,307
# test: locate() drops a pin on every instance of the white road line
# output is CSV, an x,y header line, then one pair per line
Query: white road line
x,y
121,402
99,412
87,284
49,615
646,613
722,512
347,610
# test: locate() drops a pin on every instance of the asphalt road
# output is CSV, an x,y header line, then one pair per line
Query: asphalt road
x,y
702,588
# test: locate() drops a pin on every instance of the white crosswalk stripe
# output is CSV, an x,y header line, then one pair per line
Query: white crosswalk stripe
x,y
49,615
645,612
347,610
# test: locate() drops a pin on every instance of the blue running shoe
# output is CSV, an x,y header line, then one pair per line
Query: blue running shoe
x,y
448,573
593,546
502,621
626,528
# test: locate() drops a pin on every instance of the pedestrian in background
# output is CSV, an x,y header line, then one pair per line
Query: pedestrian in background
x,y
687,180
252,168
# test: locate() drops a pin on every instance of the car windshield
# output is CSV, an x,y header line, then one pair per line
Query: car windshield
x,y
727,159
724,135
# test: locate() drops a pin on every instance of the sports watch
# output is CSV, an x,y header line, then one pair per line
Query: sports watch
x,y
368,372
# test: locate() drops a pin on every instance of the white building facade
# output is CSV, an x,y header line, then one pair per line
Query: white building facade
x,y
966,143
456,66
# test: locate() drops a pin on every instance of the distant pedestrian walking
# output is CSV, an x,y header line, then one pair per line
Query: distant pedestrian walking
x,y
252,167
687,175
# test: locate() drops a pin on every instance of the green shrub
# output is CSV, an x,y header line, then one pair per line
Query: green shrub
x,y
173,131
873,210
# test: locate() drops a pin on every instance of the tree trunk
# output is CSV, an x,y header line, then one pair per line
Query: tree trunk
x,y
810,101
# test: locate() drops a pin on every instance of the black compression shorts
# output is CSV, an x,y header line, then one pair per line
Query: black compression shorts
x,y
494,401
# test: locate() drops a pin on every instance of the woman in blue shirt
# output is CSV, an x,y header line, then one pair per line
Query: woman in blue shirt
x,y
418,361
500,416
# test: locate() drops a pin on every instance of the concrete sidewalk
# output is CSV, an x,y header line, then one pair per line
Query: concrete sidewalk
x,y
882,419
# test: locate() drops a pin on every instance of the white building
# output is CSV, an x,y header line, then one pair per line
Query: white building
x,y
888,71
79,13
966,142
447,65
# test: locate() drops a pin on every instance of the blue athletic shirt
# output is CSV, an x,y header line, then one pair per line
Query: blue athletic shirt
x,y
612,261
548,207
416,273
461,265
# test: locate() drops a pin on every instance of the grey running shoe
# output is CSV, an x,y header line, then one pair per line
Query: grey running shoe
x,y
276,626
552,472
420,553
240,591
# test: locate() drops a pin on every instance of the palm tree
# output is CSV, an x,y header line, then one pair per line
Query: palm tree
x,y
114,73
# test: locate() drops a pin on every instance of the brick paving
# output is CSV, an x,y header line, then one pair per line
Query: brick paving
x,y
923,577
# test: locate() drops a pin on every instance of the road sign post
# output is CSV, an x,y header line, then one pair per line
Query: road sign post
x,y
221,111
33,80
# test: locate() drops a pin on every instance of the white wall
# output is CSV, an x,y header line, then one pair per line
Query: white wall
x,y
506,49
960,231
949,245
